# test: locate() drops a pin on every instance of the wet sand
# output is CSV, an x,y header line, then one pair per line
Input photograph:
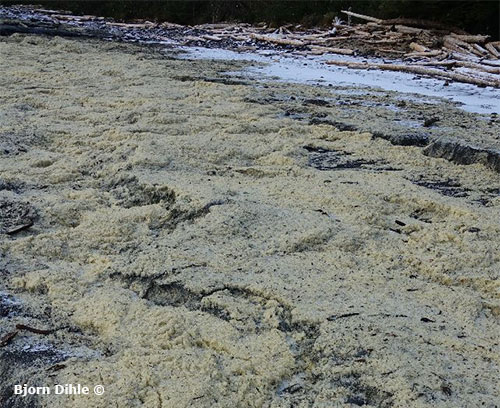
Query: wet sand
x,y
200,242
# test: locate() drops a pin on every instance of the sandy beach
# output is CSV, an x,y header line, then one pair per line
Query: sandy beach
x,y
195,241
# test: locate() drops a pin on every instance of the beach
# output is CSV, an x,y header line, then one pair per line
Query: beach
x,y
191,239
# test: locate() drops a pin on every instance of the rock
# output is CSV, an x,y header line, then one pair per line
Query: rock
x,y
462,153
411,139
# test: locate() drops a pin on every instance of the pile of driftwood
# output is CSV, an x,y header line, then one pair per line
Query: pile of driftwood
x,y
407,45
420,47
430,48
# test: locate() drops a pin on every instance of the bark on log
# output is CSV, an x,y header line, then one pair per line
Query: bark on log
x,y
419,70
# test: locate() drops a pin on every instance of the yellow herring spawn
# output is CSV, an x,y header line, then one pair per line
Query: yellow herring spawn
x,y
194,248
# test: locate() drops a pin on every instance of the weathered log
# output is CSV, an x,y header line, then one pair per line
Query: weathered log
x,y
391,51
408,30
456,45
214,26
47,11
374,28
491,63
171,25
362,17
433,53
238,37
282,30
478,67
462,57
448,64
131,25
362,33
335,39
417,47
418,23
463,64
317,41
454,40
388,41
325,50
275,40
389,34
69,17
211,37
415,69
194,38
492,50
457,42
480,49
471,38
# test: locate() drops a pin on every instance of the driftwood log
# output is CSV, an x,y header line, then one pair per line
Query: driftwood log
x,y
464,64
421,70
276,40
424,24
363,17
471,38
493,51
418,47
326,50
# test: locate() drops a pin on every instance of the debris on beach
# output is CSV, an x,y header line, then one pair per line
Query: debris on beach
x,y
407,45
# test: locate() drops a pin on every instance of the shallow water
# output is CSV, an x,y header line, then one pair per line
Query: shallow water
x,y
313,70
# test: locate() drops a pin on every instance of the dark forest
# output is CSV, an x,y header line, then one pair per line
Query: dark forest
x,y
473,16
